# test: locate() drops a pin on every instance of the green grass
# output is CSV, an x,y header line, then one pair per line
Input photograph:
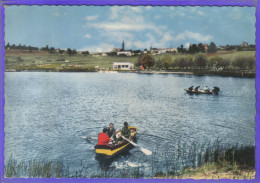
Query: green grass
x,y
234,55
13,62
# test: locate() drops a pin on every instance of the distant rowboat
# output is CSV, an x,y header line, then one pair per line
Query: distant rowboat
x,y
214,91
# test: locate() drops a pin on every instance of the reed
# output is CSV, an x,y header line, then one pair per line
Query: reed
x,y
167,164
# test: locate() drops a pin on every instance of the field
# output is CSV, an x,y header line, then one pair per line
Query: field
x,y
14,61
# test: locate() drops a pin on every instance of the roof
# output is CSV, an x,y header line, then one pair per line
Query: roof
x,y
117,49
120,63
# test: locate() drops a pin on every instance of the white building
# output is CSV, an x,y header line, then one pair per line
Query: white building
x,y
244,44
127,53
123,65
164,50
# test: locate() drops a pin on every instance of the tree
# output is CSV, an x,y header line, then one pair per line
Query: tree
x,y
193,48
240,62
181,49
180,62
69,51
52,50
85,53
113,53
200,60
7,46
167,61
61,52
30,49
158,64
146,61
215,61
225,63
201,47
189,61
212,47
251,63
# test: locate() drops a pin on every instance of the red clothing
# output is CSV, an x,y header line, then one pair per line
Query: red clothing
x,y
103,139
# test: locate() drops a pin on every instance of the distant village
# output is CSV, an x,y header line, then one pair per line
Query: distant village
x,y
129,52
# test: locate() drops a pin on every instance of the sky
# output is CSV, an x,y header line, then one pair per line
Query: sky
x,y
102,28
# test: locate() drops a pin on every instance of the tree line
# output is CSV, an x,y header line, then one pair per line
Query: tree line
x,y
51,50
196,61
212,48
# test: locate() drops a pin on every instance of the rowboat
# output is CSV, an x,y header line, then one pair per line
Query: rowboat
x,y
116,149
214,91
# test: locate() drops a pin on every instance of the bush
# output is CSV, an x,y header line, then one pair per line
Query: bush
x,y
244,62
167,61
201,60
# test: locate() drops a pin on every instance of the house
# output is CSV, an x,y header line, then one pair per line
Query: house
x,y
127,53
221,47
244,44
116,50
173,50
153,50
123,65
205,47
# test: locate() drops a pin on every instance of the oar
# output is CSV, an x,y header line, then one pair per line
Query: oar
x,y
84,137
144,150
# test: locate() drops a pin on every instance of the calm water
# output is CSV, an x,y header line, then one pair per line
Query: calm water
x,y
47,113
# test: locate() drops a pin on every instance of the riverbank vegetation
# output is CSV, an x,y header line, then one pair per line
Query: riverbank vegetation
x,y
224,63
198,161
233,62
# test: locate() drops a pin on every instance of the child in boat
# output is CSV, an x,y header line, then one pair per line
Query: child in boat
x,y
125,132
103,138
112,131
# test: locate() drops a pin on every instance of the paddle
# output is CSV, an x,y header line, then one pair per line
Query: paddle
x,y
144,150
84,137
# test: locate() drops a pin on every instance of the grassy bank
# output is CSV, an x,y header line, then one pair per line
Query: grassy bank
x,y
207,161
215,171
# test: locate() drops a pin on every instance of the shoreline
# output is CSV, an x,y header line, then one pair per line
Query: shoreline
x,y
239,74
212,171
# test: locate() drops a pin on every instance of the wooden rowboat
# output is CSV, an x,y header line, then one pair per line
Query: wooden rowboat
x,y
214,91
115,149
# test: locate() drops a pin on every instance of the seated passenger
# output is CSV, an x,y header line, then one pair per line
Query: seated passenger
x,y
111,131
206,88
103,138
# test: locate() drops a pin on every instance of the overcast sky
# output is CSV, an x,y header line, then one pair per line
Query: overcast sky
x,y
102,28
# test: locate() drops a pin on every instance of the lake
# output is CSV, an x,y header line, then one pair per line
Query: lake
x,y
47,113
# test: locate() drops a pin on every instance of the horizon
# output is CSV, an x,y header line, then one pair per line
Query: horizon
x,y
102,28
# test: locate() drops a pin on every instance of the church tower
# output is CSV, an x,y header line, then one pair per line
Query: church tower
x,y
123,46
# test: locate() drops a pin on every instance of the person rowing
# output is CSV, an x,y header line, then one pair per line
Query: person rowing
x,y
125,132
197,89
190,88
